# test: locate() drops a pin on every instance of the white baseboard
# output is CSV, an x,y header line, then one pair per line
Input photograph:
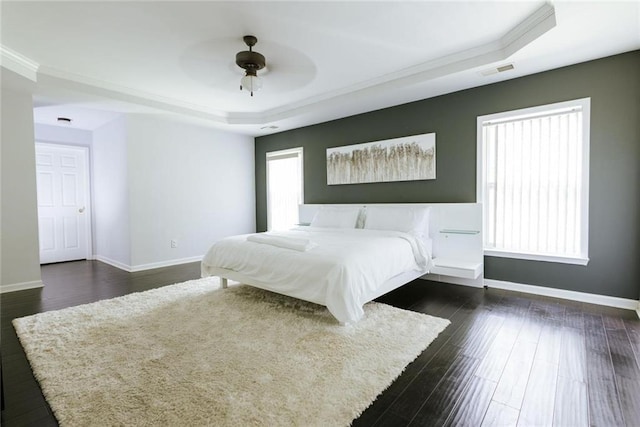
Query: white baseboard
x,y
638,310
12,287
142,267
150,266
628,304
113,263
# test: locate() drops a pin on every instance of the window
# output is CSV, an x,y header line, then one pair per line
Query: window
x,y
284,188
533,181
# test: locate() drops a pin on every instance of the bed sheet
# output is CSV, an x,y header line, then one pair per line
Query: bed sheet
x,y
341,270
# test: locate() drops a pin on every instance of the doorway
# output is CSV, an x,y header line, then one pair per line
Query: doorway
x,y
63,202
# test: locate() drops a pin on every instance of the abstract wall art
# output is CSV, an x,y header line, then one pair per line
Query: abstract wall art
x,y
408,158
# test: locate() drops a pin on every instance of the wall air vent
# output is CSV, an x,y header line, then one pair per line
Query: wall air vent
x,y
496,70
505,68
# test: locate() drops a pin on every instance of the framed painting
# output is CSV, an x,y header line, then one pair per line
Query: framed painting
x,y
408,158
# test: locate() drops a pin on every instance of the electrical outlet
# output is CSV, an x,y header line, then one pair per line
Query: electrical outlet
x,y
174,243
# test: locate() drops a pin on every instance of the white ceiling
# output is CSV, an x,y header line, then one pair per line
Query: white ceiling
x,y
325,60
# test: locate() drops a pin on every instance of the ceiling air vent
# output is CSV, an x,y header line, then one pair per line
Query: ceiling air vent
x,y
497,70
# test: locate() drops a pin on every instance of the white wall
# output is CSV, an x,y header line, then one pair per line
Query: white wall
x,y
62,135
153,180
19,253
111,208
189,183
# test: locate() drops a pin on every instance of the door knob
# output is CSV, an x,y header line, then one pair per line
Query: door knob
x,y
81,210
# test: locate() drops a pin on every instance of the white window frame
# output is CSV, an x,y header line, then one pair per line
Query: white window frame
x,y
585,105
274,155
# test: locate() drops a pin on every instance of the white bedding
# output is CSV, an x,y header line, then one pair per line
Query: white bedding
x,y
341,270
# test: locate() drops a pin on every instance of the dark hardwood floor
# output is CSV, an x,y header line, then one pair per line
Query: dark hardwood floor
x,y
506,359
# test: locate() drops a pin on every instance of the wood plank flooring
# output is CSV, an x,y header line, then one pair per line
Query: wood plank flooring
x,y
506,359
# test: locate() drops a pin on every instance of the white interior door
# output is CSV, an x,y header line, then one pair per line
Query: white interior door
x,y
62,178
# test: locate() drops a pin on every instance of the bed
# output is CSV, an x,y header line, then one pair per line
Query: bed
x,y
346,257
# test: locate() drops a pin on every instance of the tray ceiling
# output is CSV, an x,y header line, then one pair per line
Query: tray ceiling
x,y
325,60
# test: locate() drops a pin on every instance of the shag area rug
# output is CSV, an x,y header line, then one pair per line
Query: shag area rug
x,y
192,354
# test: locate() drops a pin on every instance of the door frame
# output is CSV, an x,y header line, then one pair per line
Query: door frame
x,y
87,196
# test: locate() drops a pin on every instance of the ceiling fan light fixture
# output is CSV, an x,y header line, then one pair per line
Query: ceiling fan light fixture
x,y
251,62
251,83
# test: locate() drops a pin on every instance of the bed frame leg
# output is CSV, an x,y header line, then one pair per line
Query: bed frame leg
x,y
223,282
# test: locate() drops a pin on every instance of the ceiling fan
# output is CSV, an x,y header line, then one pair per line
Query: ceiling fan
x,y
251,62
212,64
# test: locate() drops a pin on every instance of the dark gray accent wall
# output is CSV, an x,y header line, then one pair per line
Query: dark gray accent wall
x,y
614,213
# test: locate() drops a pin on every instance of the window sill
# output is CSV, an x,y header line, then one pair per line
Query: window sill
x,y
536,257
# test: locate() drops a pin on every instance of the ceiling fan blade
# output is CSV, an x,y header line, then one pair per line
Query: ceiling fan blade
x,y
212,63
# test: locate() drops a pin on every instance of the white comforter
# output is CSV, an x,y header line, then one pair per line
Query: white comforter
x,y
340,270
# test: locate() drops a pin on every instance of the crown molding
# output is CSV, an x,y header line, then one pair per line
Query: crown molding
x,y
531,28
51,75
534,26
14,61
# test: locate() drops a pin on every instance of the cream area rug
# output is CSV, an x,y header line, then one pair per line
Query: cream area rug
x,y
192,354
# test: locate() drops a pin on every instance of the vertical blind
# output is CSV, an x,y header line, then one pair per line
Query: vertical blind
x,y
284,188
533,173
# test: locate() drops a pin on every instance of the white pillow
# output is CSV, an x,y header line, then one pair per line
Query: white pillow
x,y
409,219
336,217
